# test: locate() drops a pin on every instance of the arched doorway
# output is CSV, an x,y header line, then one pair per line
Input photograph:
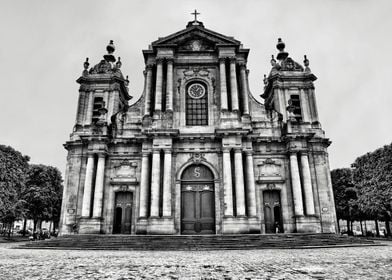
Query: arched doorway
x,y
272,212
197,200
123,213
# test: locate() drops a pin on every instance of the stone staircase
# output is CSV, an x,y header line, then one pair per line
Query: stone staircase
x,y
197,242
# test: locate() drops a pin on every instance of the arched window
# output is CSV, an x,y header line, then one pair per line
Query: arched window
x,y
196,104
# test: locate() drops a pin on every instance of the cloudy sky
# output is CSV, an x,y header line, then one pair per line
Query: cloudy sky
x,y
44,44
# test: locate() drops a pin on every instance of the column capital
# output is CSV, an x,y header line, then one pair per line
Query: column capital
x,y
232,59
222,59
149,66
90,154
226,149
101,154
169,59
304,153
167,150
248,153
156,151
237,150
242,65
146,153
159,60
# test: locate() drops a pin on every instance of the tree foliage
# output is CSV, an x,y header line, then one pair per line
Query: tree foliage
x,y
13,167
344,192
372,174
43,193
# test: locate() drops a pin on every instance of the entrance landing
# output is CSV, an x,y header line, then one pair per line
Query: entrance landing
x,y
198,242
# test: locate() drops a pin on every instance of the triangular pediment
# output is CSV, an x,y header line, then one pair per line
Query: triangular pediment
x,y
196,38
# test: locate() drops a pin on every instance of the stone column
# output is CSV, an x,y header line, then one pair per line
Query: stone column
x,y
158,86
144,180
250,183
296,185
155,183
147,101
308,191
227,183
223,89
233,85
99,184
90,107
88,181
169,85
167,180
239,183
244,89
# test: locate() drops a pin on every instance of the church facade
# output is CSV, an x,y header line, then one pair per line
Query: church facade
x,y
197,153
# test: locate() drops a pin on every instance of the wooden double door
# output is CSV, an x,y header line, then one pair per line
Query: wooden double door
x,y
272,212
123,213
197,201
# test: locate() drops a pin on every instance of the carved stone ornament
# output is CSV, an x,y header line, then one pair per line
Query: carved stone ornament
x,y
290,65
269,168
104,67
196,45
271,187
197,157
196,72
126,169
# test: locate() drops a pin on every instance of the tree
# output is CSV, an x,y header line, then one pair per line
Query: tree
x,y
373,177
43,193
13,167
345,196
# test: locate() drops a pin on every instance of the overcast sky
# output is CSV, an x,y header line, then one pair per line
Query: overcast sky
x,y
44,45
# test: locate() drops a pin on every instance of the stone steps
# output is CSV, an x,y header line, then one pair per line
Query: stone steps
x,y
197,242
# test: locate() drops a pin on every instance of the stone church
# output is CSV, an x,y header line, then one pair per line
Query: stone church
x,y
197,153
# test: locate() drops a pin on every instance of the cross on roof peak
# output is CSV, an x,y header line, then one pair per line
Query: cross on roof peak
x,y
195,13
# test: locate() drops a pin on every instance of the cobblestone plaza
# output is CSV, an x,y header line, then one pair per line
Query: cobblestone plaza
x,y
323,263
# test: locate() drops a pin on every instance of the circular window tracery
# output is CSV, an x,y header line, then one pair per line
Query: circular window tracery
x,y
196,91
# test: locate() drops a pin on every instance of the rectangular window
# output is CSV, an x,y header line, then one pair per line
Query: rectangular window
x,y
296,103
196,108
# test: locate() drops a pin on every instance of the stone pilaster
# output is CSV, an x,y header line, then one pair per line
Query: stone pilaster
x,y
81,102
155,183
239,183
304,106
227,183
223,89
296,185
250,183
99,185
88,186
147,101
158,85
244,89
90,105
167,179
233,85
169,85
308,190
144,183
313,105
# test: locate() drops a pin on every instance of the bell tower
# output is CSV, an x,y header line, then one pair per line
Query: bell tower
x,y
103,91
289,88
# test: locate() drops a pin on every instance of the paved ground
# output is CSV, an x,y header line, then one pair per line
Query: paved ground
x,y
330,263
